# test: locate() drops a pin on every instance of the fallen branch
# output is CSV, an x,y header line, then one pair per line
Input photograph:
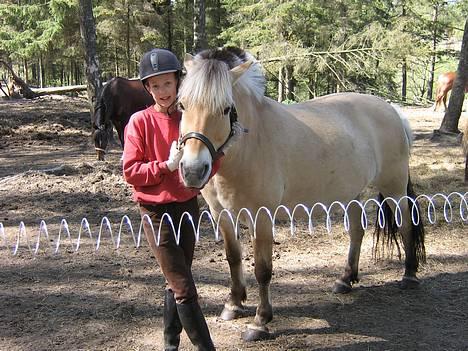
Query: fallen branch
x,y
25,90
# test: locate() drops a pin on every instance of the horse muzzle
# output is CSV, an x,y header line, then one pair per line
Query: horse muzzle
x,y
195,172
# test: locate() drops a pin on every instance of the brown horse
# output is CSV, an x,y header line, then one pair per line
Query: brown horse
x,y
444,85
120,98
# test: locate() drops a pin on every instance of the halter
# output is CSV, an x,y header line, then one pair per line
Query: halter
x,y
215,154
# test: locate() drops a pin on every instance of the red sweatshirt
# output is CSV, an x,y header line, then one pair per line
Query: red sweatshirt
x,y
148,138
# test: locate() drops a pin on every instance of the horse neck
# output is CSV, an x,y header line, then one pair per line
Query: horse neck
x,y
252,114
247,114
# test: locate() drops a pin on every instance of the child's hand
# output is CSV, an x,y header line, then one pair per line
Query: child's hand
x,y
175,155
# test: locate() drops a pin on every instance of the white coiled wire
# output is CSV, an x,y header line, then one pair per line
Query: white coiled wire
x,y
33,244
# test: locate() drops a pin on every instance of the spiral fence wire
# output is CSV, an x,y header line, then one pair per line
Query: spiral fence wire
x,y
452,206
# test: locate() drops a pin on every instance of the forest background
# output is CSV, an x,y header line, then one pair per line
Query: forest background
x,y
391,48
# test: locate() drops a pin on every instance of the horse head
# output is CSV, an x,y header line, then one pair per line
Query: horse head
x,y
101,139
206,99
102,129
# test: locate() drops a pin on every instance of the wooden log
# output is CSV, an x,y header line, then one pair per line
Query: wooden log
x,y
59,90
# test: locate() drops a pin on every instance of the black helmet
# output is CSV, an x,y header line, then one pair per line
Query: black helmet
x,y
158,61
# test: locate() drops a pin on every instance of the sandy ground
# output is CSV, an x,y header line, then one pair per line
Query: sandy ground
x,y
112,299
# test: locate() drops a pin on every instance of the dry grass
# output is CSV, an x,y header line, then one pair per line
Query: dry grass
x,y
111,300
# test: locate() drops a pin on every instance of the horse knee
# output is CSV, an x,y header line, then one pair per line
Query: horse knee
x,y
263,274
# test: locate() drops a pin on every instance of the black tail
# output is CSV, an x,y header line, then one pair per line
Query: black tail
x,y
389,237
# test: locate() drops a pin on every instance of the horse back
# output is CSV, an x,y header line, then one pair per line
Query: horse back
x,y
120,99
124,97
348,140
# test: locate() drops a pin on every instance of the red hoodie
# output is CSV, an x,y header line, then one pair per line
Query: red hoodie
x,y
148,138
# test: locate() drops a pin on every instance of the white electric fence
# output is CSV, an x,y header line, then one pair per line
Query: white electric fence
x,y
452,206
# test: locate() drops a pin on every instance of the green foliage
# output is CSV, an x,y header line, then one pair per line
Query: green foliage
x,y
332,45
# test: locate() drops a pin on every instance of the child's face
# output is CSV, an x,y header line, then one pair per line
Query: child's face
x,y
163,89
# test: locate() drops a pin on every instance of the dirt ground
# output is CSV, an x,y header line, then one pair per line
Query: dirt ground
x,y
112,299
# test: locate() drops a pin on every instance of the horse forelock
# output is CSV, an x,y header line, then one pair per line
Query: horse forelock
x,y
208,82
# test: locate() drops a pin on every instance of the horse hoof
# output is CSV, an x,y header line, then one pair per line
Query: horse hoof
x,y
410,283
230,313
256,333
340,287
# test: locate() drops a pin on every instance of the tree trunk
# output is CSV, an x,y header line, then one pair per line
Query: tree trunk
x,y
404,78
88,34
430,83
311,88
34,73
116,61
281,87
291,83
188,26
452,116
169,26
127,46
41,72
26,74
217,22
199,26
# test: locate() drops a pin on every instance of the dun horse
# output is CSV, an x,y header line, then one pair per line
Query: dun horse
x,y
323,150
120,98
444,85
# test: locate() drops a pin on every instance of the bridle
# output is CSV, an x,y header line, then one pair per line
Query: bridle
x,y
215,154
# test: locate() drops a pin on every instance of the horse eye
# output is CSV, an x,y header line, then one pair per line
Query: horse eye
x,y
227,110
181,106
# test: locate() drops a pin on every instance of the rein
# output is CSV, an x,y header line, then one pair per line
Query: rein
x,y
215,154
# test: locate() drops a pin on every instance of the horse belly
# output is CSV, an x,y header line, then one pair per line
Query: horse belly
x,y
353,141
337,179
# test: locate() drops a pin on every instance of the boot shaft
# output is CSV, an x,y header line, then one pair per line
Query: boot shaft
x,y
194,323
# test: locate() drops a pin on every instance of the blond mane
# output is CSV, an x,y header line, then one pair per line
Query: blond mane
x,y
208,82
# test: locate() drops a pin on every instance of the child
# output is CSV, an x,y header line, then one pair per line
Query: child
x,y
150,163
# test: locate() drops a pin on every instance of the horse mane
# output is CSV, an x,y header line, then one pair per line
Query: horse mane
x,y
208,82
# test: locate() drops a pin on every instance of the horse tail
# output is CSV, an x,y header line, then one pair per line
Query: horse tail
x,y
388,237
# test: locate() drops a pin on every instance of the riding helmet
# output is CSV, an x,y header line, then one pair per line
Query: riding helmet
x,y
158,61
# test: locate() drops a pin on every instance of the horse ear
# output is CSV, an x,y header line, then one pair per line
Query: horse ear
x,y
188,61
238,71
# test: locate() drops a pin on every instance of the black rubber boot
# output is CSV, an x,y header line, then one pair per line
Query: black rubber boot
x,y
172,325
195,326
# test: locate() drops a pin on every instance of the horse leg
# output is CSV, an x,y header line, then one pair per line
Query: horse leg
x,y
120,132
466,166
444,99
233,308
263,249
356,233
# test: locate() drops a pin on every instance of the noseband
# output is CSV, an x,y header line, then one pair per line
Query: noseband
x,y
215,154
